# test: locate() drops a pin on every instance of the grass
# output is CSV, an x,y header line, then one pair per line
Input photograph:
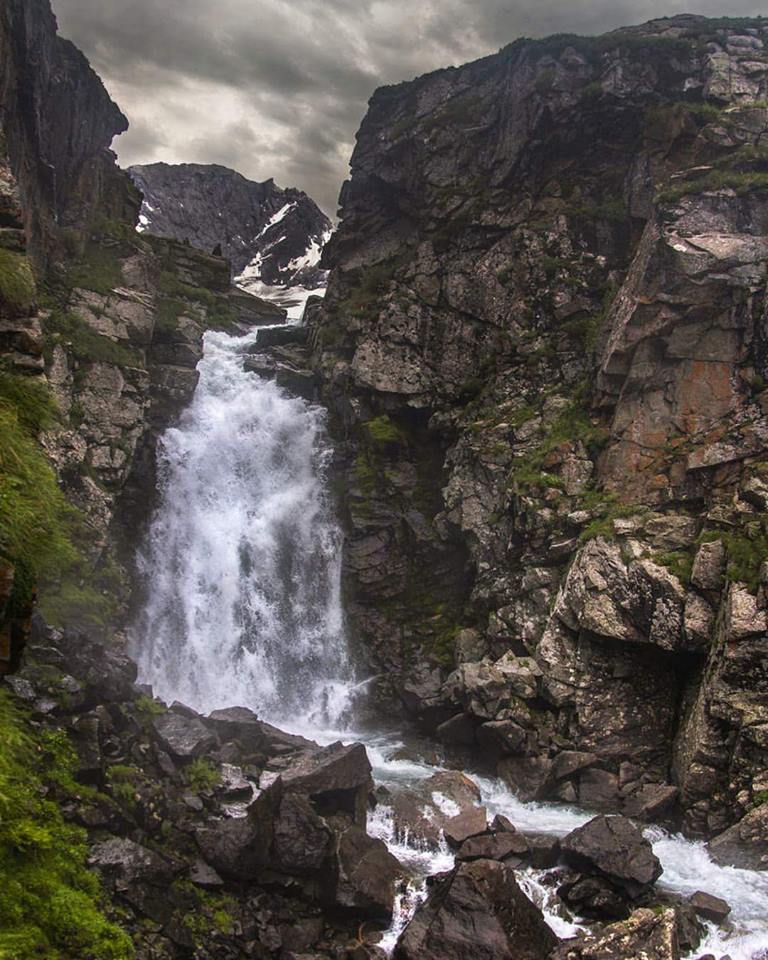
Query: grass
x,y
17,283
678,562
747,550
50,903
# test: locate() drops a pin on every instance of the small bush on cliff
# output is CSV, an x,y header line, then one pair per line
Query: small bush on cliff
x,y
49,900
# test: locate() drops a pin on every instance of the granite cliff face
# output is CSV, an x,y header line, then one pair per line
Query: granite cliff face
x,y
543,344
268,234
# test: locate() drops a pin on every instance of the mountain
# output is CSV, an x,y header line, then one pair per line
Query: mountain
x,y
273,237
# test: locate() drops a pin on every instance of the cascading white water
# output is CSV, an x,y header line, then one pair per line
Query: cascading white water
x,y
243,576
242,563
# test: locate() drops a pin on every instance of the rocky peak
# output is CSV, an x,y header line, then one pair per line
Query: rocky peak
x,y
271,236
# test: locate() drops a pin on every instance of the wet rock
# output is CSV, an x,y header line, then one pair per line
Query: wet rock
x,y
459,730
302,839
241,847
466,824
594,897
709,907
183,736
543,850
494,846
367,874
337,777
614,848
503,737
122,859
652,802
423,810
745,844
645,934
526,776
203,875
476,912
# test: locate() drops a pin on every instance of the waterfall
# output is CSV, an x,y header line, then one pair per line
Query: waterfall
x,y
242,560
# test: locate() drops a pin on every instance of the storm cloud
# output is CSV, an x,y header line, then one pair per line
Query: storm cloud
x,y
278,89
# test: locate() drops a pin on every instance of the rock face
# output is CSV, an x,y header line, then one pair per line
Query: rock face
x,y
543,348
267,234
476,912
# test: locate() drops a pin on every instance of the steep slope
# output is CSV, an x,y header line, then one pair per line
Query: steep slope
x,y
268,234
543,342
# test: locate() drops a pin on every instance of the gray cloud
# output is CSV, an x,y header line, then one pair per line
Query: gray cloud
x,y
278,89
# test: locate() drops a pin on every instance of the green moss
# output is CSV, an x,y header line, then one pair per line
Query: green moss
x,y
17,283
149,707
74,601
201,775
125,783
747,551
167,315
383,431
50,903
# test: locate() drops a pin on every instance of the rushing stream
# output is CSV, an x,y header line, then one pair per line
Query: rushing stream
x,y
244,607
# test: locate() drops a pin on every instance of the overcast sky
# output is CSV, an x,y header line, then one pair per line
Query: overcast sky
x,y
277,89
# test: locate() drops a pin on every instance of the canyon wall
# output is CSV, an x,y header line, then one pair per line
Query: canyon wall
x,y
543,347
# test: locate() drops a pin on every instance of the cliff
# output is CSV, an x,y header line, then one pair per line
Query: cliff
x,y
543,347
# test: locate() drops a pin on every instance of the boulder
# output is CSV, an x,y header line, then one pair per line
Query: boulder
x,y
645,934
302,839
476,912
652,802
366,876
526,776
468,823
494,846
183,736
595,897
614,848
709,907
503,737
423,810
122,859
458,730
337,778
240,847
745,844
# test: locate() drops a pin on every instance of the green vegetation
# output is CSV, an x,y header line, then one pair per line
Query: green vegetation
x,y
201,775
17,283
529,473
35,518
149,707
718,179
747,550
85,344
382,431
124,783
99,270
74,601
205,912
371,284
678,562
544,81
50,903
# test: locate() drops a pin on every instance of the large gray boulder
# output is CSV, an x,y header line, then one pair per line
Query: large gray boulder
x,y
613,847
476,912
185,737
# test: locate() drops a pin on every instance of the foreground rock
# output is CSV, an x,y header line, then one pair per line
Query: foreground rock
x,y
615,865
476,912
745,844
646,934
203,817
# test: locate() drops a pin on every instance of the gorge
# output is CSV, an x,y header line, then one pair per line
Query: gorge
x,y
434,624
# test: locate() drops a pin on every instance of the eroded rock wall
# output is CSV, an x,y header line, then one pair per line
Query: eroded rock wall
x,y
543,346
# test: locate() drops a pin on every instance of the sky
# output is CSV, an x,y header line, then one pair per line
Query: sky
x,y
277,89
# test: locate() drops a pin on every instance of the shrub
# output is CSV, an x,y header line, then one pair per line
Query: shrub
x,y
201,775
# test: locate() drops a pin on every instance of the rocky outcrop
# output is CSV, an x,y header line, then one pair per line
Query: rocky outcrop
x,y
267,234
542,346
217,833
